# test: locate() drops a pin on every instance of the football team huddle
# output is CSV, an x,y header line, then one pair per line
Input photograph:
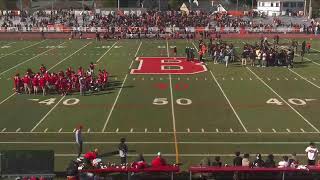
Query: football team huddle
x,y
61,82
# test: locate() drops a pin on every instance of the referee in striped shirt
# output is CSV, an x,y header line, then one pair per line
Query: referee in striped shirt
x,y
79,140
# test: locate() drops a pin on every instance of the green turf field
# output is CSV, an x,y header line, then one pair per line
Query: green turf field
x,y
248,109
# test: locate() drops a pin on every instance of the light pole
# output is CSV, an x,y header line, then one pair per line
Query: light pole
x,y
159,5
310,10
118,5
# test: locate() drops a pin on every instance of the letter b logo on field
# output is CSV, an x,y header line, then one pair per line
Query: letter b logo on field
x,y
167,65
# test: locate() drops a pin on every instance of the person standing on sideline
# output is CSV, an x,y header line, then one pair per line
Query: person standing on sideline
x,y
123,151
312,153
79,140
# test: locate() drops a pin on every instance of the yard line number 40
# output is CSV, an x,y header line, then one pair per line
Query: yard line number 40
x,y
293,101
164,101
67,102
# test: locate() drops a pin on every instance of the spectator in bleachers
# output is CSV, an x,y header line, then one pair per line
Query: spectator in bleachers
x,y
237,161
158,161
217,162
245,160
270,163
284,162
293,162
90,156
140,163
312,153
258,162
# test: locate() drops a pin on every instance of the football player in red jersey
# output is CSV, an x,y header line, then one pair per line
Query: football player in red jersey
x,y
17,83
43,69
42,84
35,84
26,84
91,68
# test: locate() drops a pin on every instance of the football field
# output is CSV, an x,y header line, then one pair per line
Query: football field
x,y
186,116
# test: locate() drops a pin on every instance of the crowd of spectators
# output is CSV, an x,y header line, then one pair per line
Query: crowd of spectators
x,y
126,22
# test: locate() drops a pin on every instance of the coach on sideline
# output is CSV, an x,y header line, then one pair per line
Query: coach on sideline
x,y
79,140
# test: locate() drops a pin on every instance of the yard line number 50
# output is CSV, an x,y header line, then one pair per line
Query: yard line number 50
x,y
164,101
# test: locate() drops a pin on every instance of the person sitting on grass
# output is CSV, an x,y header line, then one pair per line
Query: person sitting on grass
x,y
258,162
237,161
245,160
158,161
270,163
217,162
284,163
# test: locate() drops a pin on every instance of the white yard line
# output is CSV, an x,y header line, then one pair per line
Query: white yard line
x,y
162,142
29,59
304,78
107,51
302,117
186,155
166,132
172,112
22,49
116,100
7,98
225,96
135,55
69,56
45,116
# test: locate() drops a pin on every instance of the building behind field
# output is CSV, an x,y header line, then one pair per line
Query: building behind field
x,y
281,7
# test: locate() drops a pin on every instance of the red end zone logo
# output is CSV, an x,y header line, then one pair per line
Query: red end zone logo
x,y
168,65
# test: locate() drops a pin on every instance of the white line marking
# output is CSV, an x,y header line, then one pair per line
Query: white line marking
x,y
88,130
18,129
45,130
7,98
259,130
202,130
165,132
60,130
22,49
222,91
231,130
131,130
145,130
161,142
74,130
217,130
117,130
114,104
160,130
27,60
69,56
274,130
284,101
288,130
224,94
106,51
135,55
4,129
302,130
45,116
304,78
